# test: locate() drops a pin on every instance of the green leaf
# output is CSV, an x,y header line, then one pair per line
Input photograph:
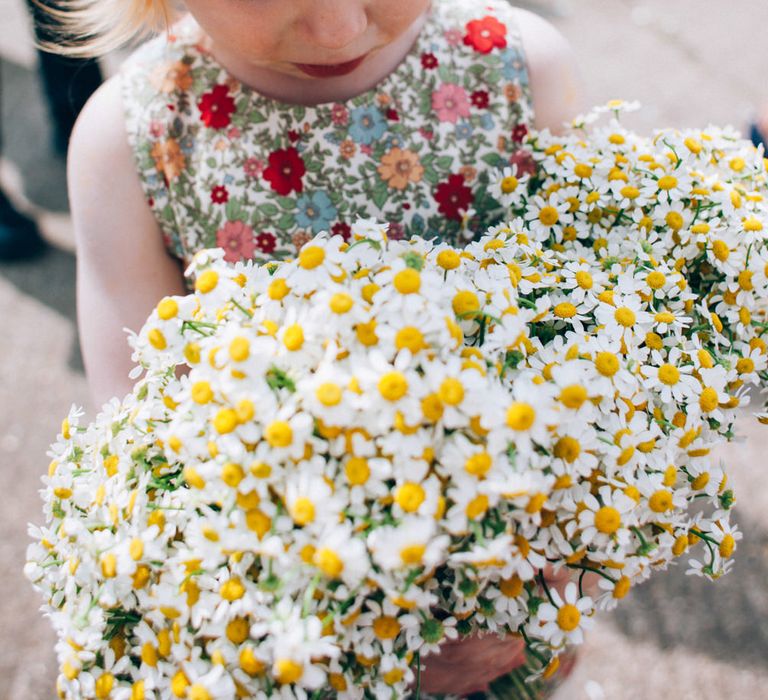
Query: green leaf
x,y
444,162
494,160
379,196
286,221
211,162
268,209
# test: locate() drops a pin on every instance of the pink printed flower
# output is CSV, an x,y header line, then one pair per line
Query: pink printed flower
x,y
235,238
156,129
450,102
426,134
453,37
233,133
219,195
266,242
365,149
253,167
524,161
339,115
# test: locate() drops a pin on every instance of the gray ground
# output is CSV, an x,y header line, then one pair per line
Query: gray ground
x,y
691,62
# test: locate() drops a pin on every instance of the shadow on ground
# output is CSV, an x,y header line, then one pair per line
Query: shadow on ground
x,y
719,619
51,280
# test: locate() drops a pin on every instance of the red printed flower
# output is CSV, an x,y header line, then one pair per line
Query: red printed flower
x,y
428,61
486,34
341,229
219,195
479,98
216,107
285,170
235,238
519,133
453,197
293,136
266,242
392,115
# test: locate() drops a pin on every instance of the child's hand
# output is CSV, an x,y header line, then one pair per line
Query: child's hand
x,y
470,664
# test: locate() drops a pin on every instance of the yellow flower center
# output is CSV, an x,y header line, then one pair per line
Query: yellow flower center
x,y
625,316
393,386
721,250
409,337
622,587
239,349
669,374
451,391
341,303
549,216
656,279
386,627
448,259
207,281
157,339
294,337
357,470
660,501
607,520
568,617
668,182
410,496
278,289
303,511
509,184
167,308
584,279
520,416
329,562
407,281
311,256
279,434
288,671
565,310
607,363
412,554
567,448
708,400
573,396
329,394
478,464
232,590
465,303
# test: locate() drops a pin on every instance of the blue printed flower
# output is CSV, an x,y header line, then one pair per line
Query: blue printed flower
x,y
486,121
464,130
315,211
514,66
367,124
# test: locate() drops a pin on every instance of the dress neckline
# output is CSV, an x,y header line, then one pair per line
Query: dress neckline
x,y
389,81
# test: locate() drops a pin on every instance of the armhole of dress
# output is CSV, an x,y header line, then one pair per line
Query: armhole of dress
x,y
133,77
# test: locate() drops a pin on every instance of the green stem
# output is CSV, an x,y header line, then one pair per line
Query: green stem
x,y
584,569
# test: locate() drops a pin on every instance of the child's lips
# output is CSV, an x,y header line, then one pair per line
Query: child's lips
x,y
325,70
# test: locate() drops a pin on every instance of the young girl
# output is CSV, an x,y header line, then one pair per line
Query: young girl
x,y
255,124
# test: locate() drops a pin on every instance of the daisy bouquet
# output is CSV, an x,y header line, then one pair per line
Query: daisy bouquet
x,y
382,445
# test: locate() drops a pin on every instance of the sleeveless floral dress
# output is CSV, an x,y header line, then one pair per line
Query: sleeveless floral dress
x,y
222,165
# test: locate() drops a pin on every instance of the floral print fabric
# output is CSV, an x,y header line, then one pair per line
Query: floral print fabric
x,y
222,165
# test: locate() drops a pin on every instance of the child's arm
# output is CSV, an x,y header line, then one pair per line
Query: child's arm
x,y
123,269
555,82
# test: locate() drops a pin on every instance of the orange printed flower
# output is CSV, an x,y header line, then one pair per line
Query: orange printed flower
x,y
399,167
169,160
468,172
347,148
173,76
512,92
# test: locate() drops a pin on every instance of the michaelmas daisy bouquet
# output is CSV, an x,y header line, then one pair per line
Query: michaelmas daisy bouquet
x,y
331,465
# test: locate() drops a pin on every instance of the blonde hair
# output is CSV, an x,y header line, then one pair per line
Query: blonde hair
x,y
87,28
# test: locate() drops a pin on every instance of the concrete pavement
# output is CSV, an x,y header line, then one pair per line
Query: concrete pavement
x,y
691,62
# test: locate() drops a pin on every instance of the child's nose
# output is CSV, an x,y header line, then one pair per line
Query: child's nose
x,y
335,24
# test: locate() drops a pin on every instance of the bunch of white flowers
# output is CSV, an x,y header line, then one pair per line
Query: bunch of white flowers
x,y
333,464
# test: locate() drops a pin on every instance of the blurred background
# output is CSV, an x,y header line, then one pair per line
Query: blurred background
x,y
691,63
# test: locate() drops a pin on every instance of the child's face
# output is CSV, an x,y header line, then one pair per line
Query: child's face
x,y
304,39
